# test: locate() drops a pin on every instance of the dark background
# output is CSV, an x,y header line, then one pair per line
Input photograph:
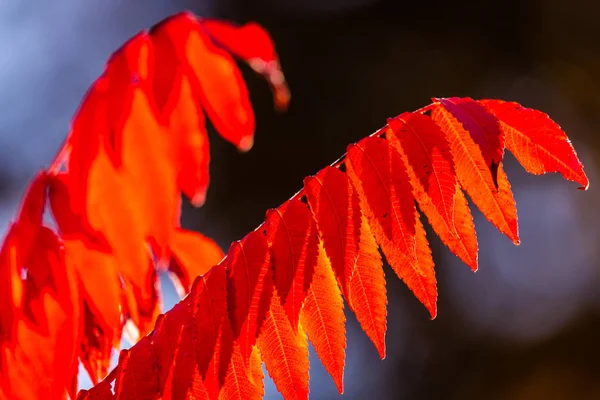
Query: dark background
x,y
527,325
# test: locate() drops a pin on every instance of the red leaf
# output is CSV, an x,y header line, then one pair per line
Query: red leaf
x,y
334,205
174,339
483,128
323,319
285,353
110,206
251,43
97,344
537,142
47,331
97,267
209,306
366,289
193,255
385,194
249,287
426,151
144,144
460,236
292,235
215,78
182,114
383,187
139,372
11,296
496,203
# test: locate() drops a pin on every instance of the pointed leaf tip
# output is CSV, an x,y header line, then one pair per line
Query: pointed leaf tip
x,y
537,141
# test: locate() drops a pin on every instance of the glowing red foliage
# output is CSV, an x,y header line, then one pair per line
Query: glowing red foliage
x,y
138,142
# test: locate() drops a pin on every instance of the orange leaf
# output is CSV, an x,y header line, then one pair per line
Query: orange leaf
x,y
193,255
537,142
422,280
426,152
460,236
216,79
323,319
285,353
334,205
496,203
110,207
241,381
291,233
366,289
144,145
385,193
182,114
483,128
48,328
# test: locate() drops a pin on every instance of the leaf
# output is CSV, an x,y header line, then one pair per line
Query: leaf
x,y
323,319
380,178
460,235
193,255
251,43
181,112
46,327
144,144
537,142
426,152
285,353
496,203
366,289
241,381
215,79
209,307
139,377
174,339
291,233
423,279
482,126
334,205
110,207
249,289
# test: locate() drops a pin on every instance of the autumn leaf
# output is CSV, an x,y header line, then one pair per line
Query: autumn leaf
x,y
537,142
291,233
496,202
323,319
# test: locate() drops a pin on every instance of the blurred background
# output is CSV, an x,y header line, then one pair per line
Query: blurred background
x,y
526,326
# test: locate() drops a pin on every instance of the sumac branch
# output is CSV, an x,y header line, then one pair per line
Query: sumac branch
x,y
138,141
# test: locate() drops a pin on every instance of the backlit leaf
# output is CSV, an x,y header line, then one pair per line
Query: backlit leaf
x,y
537,142
323,319
285,353
291,232
495,202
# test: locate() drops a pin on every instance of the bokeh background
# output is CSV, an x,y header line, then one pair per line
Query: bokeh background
x,y
527,325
